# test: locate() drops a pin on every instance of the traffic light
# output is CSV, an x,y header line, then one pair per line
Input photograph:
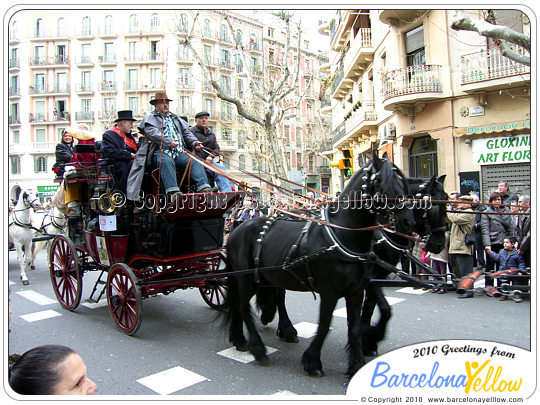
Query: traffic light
x,y
346,164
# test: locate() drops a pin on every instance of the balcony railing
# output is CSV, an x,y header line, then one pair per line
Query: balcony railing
x,y
84,115
339,132
365,113
411,80
489,65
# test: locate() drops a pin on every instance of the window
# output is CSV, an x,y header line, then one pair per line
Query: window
x,y
59,132
39,27
154,50
86,80
270,32
39,111
184,104
85,53
39,55
41,135
423,157
39,83
414,40
14,30
225,58
207,31
133,105
224,33
184,23
109,105
155,78
184,76
299,163
155,24
132,79
239,64
86,28
183,52
109,81
62,83
86,104
61,27
133,23
242,162
226,134
61,54
209,106
133,50
108,24
15,164
108,52
208,55
40,164
239,36
15,137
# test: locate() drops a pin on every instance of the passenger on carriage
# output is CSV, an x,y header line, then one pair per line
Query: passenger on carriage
x,y
64,153
209,141
119,146
165,136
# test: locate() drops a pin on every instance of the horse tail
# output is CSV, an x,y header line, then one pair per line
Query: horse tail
x,y
266,303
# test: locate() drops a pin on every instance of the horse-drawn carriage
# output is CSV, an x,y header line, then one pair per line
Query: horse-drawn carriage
x,y
141,249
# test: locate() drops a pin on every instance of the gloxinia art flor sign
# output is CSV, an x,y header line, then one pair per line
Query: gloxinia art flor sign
x,y
504,149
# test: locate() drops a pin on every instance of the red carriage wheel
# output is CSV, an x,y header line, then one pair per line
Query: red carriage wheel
x,y
215,290
124,298
66,274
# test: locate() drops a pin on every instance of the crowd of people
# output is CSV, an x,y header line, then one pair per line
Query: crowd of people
x,y
488,237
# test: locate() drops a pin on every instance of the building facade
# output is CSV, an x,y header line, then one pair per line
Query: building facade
x,y
81,66
436,100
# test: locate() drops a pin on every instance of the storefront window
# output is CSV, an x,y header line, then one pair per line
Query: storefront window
x,y
423,157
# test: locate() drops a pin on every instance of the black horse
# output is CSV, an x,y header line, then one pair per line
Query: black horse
x,y
331,258
430,223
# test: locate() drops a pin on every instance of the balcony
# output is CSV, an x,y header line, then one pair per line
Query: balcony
x,y
140,87
43,147
14,92
228,145
151,57
14,63
84,88
107,60
55,61
107,86
411,85
400,17
84,61
185,85
14,119
84,116
490,70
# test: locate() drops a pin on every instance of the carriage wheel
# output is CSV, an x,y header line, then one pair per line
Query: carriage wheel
x,y
65,271
124,298
215,290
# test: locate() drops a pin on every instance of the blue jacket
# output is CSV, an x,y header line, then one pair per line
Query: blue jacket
x,y
512,260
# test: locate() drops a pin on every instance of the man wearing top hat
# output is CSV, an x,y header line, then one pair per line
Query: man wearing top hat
x,y
119,146
165,137
210,144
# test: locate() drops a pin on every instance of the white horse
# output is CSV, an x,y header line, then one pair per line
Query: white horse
x,y
20,231
45,223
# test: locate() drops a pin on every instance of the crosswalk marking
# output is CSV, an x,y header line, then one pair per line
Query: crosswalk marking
x,y
284,392
342,312
306,329
242,357
411,290
93,305
36,297
38,316
168,381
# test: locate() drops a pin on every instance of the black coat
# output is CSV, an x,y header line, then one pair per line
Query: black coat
x,y
64,153
115,149
208,140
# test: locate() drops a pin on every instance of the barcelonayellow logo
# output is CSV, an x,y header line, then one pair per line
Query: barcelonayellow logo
x,y
449,367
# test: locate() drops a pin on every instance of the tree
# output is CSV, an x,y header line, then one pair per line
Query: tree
x,y
502,35
271,93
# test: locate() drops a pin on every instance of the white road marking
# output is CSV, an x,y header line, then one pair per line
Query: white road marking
x,y
342,312
93,305
38,316
285,392
411,290
242,357
168,381
306,329
36,297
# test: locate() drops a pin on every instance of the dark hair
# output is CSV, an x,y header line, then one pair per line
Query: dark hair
x,y
494,196
511,239
36,371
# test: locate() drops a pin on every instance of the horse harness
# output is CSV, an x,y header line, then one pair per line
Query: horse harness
x,y
16,221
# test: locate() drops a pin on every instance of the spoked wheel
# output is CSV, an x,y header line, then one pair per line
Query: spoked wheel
x,y
66,274
215,290
124,298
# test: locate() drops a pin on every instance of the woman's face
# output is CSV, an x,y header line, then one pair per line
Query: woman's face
x,y
73,379
67,138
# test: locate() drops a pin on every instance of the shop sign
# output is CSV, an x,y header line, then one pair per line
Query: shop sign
x,y
476,111
486,129
504,149
47,191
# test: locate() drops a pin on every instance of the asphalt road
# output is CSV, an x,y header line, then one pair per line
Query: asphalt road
x,y
181,348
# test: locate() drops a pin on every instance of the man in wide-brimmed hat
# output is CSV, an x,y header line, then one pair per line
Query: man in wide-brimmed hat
x,y
166,135
120,147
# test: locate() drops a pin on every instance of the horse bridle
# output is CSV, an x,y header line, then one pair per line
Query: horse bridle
x,y
434,210
16,220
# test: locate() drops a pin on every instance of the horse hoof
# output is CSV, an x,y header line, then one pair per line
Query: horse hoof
x,y
288,339
262,360
32,267
242,348
25,282
315,373
292,339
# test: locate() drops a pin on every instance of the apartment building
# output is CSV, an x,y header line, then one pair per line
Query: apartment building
x,y
436,100
81,66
